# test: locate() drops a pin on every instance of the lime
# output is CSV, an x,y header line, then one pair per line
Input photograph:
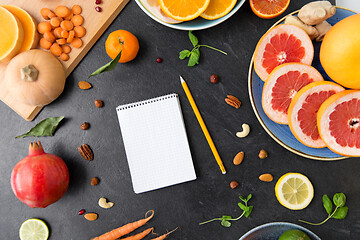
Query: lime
x,y
294,234
294,191
34,229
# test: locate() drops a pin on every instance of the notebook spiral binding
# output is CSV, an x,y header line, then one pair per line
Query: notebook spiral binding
x,y
144,102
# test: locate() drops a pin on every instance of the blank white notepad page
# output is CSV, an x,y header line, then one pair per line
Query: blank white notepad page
x,y
155,143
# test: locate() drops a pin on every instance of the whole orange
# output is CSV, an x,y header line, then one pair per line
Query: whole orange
x,y
340,52
124,41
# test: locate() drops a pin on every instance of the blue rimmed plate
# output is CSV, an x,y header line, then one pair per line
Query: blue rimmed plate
x,y
281,133
272,231
196,24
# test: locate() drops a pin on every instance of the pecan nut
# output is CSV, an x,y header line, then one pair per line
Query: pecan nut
x,y
86,152
233,101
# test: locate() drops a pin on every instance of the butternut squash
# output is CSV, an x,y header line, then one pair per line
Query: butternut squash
x,y
31,37
11,35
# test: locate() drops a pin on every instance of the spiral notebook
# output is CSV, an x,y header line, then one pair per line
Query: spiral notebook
x,y
156,144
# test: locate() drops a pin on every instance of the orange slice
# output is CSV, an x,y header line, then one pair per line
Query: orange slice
x,y
269,8
218,9
183,10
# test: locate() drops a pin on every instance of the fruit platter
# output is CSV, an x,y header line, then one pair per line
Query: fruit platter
x,y
281,132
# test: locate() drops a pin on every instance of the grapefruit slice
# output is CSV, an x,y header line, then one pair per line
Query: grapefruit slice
x,y
268,8
338,121
154,8
282,85
303,110
282,44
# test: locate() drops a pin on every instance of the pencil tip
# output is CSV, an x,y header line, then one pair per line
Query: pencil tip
x,y
224,173
181,79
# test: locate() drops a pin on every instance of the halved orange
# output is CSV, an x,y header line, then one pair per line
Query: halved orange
x,y
218,9
268,8
183,10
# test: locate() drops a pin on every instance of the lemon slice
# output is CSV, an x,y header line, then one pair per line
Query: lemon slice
x,y
294,191
34,229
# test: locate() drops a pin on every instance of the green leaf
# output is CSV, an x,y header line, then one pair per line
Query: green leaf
x,y
109,66
327,203
194,57
194,40
339,199
226,217
341,213
225,223
184,54
243,207
242,198
247,213
46,127
248,197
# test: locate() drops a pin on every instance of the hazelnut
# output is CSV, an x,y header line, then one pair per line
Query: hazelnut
x,y
214,78
99,103
94,181
263,154
85,126
234,184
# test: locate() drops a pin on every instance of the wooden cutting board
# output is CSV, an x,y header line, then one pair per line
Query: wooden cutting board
x,y
95,24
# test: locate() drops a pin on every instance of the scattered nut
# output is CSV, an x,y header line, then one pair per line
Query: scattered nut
x,y
267,177
214,78
91,216
99,103
84,85
81,212
238,158
245,131
94,181
86,152
233,101
104,203
234,184
263,154
85,126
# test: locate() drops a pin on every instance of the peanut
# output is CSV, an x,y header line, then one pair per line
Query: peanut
x,y
263,154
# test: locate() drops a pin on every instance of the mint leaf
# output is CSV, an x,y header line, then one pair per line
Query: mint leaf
x,y
327,203
225,223
248,197
242,198
194,40
194,58
247,213
340,213
184,54
339,199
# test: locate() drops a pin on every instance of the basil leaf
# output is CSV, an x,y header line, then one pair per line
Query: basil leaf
x,y
242,198
46,127
247,213
184,54
194,40
225,223
226,217
339,199
107,67
327,203
248,197
341,213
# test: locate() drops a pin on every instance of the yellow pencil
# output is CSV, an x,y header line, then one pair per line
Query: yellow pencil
x,y
202,125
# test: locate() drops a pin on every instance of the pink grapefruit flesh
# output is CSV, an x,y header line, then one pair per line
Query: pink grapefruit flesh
x,y
303,110
282,44
338,121
282,85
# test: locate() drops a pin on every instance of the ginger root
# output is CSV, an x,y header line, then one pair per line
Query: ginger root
x,y
322,29
310,30
316,12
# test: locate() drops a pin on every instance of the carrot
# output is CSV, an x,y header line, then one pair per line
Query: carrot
x,y
139,235
123,230
162,237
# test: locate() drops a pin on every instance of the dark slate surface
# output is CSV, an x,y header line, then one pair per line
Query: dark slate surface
x,y
187,204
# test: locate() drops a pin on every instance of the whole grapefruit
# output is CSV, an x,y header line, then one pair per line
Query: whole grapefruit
x,y
340,52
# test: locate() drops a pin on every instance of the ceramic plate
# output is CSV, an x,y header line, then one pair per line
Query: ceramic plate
x,y
196,24
281,133
272,231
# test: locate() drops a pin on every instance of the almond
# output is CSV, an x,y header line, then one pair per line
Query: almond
x,y
91,216
238,158
267,177
84,85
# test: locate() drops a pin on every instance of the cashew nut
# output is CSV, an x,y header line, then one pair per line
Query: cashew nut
x,y
104,203
245,131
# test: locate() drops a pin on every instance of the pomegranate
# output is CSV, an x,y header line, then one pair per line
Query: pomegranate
x,y
40,179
